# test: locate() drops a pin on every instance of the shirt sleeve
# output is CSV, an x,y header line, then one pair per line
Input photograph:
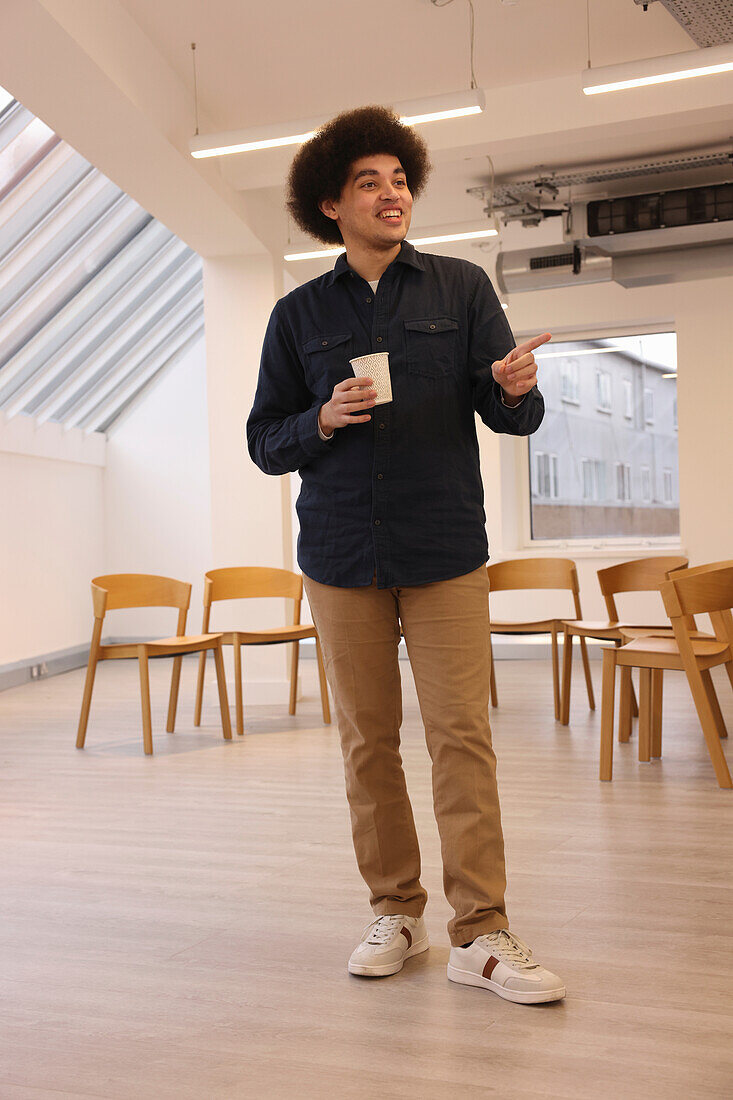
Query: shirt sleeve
x,y
490,338
282,427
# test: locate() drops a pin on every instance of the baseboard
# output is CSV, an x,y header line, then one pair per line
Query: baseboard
x,y
41,667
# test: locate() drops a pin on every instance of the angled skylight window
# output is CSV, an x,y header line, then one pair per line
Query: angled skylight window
x,y
96,296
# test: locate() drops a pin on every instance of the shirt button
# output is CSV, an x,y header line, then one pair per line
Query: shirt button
x,y
382,425
324,343
367,300
432,326
380,476
377,522
379,339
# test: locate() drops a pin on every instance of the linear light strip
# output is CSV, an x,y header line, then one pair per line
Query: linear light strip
x,y
412,113
659,70
320,253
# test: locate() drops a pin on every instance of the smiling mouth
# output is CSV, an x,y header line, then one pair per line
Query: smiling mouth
x,y
390,215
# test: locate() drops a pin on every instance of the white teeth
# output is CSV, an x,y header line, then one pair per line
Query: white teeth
x,y
392,214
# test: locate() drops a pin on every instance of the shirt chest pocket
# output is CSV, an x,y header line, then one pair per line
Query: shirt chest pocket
x,y
431,346
326,361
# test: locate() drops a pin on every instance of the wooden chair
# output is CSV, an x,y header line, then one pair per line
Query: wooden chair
x,y
247,582
705,589
142,590
639,575
545,573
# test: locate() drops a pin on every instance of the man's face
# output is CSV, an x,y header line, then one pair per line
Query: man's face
x,y
375,206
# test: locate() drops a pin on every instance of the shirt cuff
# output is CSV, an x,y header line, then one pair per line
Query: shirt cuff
x,y
325,438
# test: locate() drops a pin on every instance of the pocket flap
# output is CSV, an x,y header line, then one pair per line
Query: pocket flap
x,y
432,325
325,342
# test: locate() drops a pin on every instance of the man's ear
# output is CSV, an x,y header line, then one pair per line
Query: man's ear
x,y
326,207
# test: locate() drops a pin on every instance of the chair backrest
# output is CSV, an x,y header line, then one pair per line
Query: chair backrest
x,y
638,575
117,590
523,573
250,581
704,589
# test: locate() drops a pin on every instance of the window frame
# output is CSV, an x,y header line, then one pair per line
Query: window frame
x,y
517,511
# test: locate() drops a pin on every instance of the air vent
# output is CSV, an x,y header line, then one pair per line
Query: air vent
x,y
661,210
562,259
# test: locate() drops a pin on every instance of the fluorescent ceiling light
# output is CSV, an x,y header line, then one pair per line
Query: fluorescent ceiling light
x,y
673,375
414,112
659,70
442,238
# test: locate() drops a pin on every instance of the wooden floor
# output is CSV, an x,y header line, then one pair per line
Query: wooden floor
x,y
178,926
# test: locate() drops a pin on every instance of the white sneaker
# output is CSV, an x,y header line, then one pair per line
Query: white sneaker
x,y
501,962
386,943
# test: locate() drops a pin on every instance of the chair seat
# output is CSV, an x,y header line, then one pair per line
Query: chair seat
x,y
543,626
631,633
160,647
269,636
601,629
654,652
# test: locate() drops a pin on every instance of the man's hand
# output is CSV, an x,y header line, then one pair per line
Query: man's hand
x,y
516,373
350,396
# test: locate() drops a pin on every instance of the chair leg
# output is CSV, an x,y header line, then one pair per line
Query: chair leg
x,y
238,695
200,688
714,704
142,660
555,673
706,716
173,700
634,704
492,675
656,731
567,672
324,686
86,701
729,670
645,714
624,705
608,689
294,678
588,677
221,682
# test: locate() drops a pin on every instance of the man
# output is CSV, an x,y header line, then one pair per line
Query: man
x,y
392,530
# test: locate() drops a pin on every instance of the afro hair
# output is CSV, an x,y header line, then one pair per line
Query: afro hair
x,y
320,168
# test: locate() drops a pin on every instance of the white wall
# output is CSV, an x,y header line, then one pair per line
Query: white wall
x,y
157,502
51,547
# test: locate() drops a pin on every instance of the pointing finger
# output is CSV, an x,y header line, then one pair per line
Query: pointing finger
x,y
528,345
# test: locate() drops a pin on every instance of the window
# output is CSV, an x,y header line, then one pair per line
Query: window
x,y
546,479
570,381
611,466
623,481
594,479
603,390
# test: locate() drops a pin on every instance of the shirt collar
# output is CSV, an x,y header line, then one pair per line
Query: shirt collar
x,y
407,255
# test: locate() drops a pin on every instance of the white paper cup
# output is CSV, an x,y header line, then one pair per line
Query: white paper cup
x,y
376,367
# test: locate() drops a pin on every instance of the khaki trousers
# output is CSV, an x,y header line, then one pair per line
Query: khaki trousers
x,y
446,629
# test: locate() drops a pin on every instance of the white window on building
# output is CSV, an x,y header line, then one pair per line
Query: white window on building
x,y
646,484
648,406
629,398
594,479
570,381
667,478
623,481
603,390
546,475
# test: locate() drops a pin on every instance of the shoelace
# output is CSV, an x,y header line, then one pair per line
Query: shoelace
x,y
383,928
508,947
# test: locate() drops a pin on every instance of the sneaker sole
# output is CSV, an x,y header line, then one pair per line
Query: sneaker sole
x,y
389,968
467,977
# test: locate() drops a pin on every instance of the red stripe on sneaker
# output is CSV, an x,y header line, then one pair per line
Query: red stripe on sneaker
x,y
408,936
489,968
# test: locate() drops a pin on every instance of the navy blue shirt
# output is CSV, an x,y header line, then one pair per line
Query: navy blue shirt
x,y
400,495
